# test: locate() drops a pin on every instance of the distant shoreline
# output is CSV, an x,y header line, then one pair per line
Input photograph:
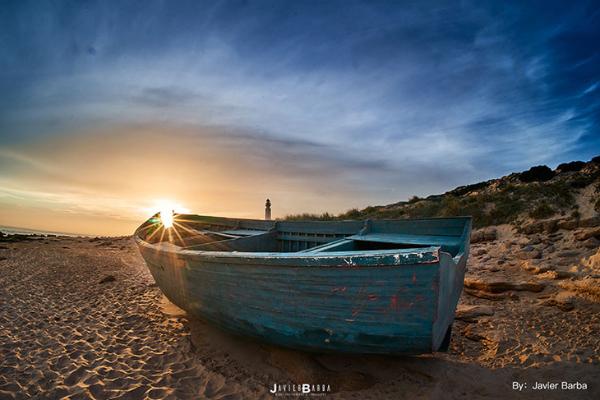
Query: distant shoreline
x,y
13,230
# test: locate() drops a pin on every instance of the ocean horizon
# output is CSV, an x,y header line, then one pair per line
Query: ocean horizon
x,y
15,230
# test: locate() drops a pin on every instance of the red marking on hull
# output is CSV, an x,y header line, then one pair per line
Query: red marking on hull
x,y
338,289
372,297
414,278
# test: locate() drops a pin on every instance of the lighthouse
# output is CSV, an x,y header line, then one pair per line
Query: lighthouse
x,y
268,210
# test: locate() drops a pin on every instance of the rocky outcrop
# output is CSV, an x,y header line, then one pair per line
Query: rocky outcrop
x,y
482,294
564,301
547,226
502,286
587,234
469,313
484,235
529,252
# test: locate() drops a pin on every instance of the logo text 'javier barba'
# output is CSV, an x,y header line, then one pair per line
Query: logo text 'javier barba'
x,y
299,389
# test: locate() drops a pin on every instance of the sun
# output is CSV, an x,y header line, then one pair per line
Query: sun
x,y
166,217
166,209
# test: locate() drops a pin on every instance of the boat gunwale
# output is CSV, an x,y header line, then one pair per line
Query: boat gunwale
x,y
344,256
349,258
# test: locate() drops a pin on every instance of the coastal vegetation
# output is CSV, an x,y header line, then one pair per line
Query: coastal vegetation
x,y
538,193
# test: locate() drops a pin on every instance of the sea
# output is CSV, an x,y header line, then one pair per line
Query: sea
x,y
13,230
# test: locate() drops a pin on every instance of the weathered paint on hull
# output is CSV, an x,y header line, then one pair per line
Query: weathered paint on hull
x,y
387,309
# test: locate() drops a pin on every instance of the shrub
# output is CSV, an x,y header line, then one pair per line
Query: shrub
x,y
572,166
543,210
581,181
309,217
351,214
451,207
538,173
462,190
413,199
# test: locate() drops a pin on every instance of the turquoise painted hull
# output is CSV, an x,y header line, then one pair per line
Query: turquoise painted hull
x,y
353,287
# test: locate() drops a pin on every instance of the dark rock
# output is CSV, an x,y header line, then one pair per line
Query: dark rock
x,y
529,252
490,234
563,306
490,296
591,243
531,228
484,235
473,335
550,226
535,269
108,278
568,224
503,286
563,274
590,222
471,313
535,240
479,252
587,233
568,253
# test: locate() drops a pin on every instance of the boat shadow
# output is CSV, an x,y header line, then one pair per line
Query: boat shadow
x,y
437,375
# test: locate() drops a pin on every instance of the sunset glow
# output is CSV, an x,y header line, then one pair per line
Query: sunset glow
x,y
94,125
167,209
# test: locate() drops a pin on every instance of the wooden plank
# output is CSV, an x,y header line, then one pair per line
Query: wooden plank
x,y
242,232
408,239
436,227
327,246
295,237
322,227
389,311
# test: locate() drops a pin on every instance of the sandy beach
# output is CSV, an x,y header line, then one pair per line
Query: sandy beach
x,y
83,318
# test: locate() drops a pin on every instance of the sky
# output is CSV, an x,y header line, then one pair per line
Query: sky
x,y
109,108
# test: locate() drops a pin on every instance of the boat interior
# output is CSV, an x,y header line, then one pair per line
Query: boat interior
x,y
204,233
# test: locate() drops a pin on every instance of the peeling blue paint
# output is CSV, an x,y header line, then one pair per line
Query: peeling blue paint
x,y
386,301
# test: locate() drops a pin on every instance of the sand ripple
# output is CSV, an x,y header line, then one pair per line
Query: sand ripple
x,y
84,319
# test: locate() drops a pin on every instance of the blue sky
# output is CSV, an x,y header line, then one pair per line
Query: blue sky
x,y
346,104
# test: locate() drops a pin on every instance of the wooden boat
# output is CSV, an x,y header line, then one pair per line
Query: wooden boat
x,y
374,286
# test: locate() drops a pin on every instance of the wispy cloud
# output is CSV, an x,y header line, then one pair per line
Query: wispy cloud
x,y
376,101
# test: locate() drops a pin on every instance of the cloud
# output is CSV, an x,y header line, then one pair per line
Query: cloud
x,y
373,101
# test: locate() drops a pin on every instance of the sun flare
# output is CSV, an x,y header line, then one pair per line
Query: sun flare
x,y
166,217
166,209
